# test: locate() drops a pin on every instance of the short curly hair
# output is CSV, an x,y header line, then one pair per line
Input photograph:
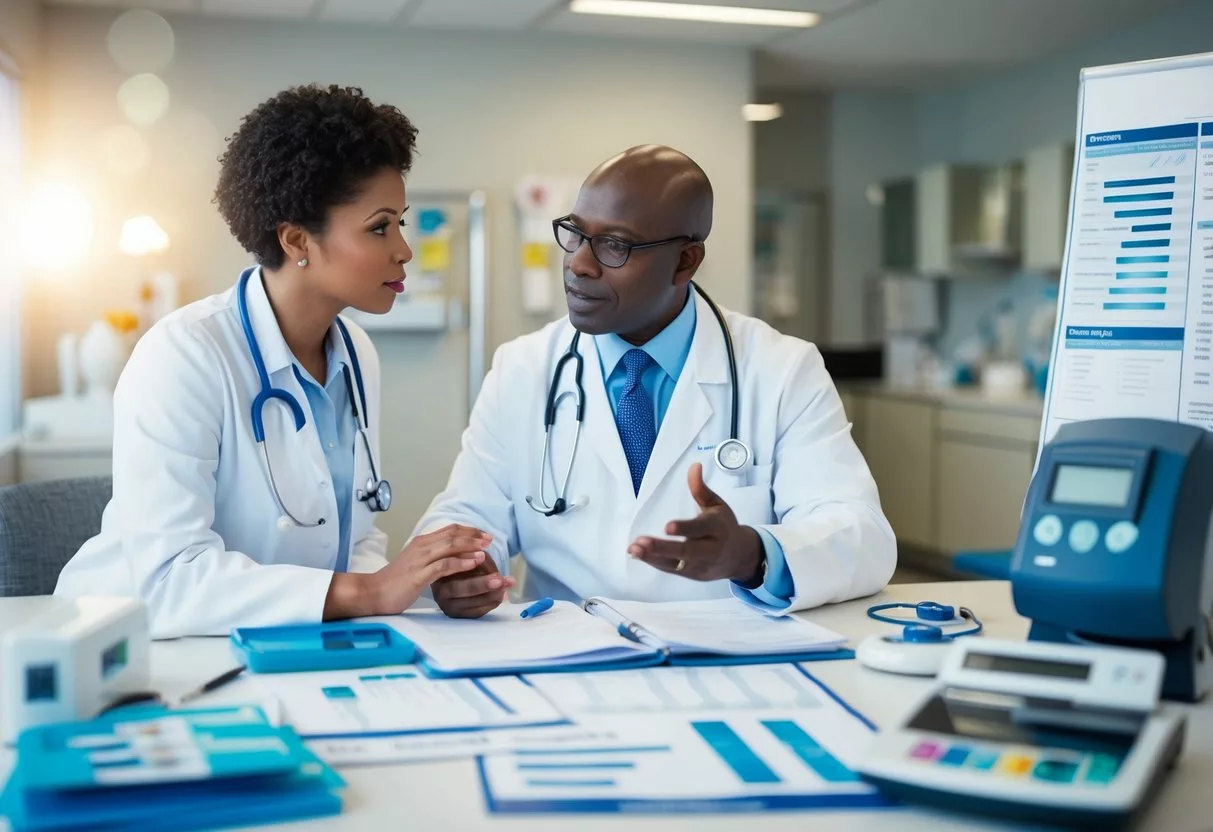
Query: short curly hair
x,y
301,153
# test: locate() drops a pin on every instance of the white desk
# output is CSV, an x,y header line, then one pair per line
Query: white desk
x,y
447,795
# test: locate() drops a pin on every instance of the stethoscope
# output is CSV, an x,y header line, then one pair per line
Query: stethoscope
x,y
731,455
921,646
377,494
934,615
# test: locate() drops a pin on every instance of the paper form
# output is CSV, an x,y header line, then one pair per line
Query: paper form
x,y
408,748
701,761
725,626
679,689
400,699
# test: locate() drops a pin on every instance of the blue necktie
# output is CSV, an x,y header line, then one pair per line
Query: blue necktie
x,y
634,416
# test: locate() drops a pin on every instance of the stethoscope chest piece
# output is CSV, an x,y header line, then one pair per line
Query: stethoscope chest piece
x,y
377,495
732,455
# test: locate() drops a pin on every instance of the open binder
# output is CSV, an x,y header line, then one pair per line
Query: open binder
x,y
604,634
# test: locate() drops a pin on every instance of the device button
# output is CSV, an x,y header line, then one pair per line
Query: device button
x,y
1083,536
1120,537
1016,764
1047,530
1055,771
983,760
954,756
925,751
1102,769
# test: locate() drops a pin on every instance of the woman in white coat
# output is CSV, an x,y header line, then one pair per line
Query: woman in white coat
x,y
246,470
713,456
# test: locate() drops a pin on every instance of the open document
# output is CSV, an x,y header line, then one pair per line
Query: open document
x,y
393,701
717,739
606,634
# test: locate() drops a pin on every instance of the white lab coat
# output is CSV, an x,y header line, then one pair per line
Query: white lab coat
x,y
809,486
192,528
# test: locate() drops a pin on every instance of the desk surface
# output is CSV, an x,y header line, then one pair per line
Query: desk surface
x,y
447,794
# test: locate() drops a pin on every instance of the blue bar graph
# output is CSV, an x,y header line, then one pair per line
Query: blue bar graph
x,y
1136,275
1136,307
732,749
1131,213
1138,290
1159,243
564,752
546,783
1133,183
561,766
1153,226
1145,258
1152,196
822,762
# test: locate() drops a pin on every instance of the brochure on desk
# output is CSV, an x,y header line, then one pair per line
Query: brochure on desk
x,y
717,739
605,634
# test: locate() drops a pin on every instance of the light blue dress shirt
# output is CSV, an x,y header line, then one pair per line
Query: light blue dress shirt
x,y
334,421
669,350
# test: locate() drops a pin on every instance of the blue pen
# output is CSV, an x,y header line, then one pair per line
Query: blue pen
x,y
538,608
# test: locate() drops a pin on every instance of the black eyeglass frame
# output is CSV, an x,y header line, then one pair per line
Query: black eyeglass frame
x,y
566,223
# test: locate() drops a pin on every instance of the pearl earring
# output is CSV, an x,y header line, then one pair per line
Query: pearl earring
x,y
303,263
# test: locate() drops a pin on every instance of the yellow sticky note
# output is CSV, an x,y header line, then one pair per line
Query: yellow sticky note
x,y
435,254
535,255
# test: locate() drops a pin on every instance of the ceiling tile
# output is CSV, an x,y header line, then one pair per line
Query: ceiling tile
x,y
259,8
480,14
976,34
362,11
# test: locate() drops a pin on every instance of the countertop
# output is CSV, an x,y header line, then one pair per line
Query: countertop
x,y
1026,403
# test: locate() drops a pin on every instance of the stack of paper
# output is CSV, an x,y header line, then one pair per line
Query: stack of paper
x,y
166,770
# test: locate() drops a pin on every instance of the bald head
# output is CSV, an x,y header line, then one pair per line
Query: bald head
x,y
649,210
664,181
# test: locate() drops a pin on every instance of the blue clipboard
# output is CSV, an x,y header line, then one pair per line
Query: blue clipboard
x,y
344,645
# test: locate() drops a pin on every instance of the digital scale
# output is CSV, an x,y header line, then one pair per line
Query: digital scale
x,y
1035,731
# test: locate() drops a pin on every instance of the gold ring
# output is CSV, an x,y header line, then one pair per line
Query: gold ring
x,y
681,565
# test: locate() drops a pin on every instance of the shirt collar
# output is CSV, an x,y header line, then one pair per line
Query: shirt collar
x,y
669,348
274,351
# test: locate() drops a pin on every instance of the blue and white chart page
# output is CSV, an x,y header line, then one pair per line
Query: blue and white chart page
x,y
1135,328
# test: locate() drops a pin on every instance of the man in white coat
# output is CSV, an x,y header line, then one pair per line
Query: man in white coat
x,y
643,508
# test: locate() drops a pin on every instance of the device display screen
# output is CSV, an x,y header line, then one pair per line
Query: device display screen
x,y
1018,721
1092,485
1032,667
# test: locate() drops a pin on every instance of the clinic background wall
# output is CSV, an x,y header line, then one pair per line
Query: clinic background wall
x,y
846,141
20,31
490,108
1005,116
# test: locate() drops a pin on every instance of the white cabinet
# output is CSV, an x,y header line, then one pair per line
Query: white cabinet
x,y
985,465
1048,172
897,441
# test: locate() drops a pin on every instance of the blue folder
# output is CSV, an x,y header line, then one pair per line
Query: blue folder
x,y
153,768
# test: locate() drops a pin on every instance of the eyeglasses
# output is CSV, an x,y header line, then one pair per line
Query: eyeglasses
x,y
609,251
